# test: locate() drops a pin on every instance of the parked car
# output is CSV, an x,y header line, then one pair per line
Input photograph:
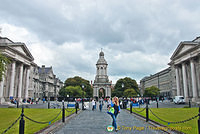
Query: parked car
x,y
179,100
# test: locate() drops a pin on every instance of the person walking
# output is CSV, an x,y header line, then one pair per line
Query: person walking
x,y
100,104
93,104
108,102
115,105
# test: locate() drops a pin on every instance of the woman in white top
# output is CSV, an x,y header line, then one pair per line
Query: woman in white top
x,y
93,104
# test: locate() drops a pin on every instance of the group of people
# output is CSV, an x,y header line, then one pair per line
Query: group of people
x,y
113,108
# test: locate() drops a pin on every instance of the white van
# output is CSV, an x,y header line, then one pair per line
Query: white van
x,y
179,100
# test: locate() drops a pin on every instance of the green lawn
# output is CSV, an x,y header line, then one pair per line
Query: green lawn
x,y
173,115
9,115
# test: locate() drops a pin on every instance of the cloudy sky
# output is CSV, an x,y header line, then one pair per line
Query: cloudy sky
x,y
137,36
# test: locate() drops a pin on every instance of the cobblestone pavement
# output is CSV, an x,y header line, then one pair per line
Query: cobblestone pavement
x,y
96,122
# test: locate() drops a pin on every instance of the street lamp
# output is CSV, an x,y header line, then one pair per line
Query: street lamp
x,y
123,101
68,98
122,85
82,97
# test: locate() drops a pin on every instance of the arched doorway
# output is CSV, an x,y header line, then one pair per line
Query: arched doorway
x,y
102,93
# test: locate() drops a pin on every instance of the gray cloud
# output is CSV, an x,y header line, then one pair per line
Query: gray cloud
x,y
136,30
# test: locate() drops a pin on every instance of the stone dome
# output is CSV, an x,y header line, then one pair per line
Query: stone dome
x,y
101,54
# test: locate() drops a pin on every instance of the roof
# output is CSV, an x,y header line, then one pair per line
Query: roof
x,y
16,46
45,70
101,59
184,47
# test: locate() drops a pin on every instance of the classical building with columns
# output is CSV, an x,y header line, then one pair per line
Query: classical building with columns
x,y
182,78
185,63
22,79
101,85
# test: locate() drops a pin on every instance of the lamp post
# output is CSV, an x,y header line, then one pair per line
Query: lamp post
x,y
68,99
82,97
123,101
122,85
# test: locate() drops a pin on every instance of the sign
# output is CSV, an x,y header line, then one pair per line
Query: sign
x,y
110,128
70,105
135,104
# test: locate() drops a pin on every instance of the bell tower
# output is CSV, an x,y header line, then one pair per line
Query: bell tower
x,y
101,82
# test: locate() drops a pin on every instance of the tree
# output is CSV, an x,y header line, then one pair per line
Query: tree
x,y
151,91
128,84
4,61
72,91
130,93
78,81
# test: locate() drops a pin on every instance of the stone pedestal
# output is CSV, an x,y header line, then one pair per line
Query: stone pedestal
x,y
2,100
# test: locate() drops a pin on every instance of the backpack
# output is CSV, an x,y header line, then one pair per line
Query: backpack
x,y
111,111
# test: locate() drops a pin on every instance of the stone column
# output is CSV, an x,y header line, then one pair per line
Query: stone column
x,y
20,83
106,93
177,82
1,90
12,81
97,92
27,83
194,82
185,82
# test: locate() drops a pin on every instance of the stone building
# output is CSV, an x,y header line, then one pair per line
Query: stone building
x,y
185,64
161,80
22,79
101,85
183,75
49,84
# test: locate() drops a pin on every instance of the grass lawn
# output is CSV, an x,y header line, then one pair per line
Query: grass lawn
x,y
173,115
9,115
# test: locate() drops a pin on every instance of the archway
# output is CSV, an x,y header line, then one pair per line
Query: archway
x,y
102,93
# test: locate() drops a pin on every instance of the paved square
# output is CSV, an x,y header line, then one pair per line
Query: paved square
x,y
96,122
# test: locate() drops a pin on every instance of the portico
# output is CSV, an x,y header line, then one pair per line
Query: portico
x,y
15,84
186,63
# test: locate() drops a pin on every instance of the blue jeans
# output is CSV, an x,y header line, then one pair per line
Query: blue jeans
x,y
114,122
93,107
100,107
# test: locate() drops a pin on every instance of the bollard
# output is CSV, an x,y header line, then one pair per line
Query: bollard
x,y
199,121
22,122
63,112
147,113
157,104
76,107
48,104
131,107
17,104
189,104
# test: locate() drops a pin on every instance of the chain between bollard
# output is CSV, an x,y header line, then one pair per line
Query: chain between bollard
x,y
147,112
71,110
48,105
177,122
140,110
63,111
11,125
131,107
76,105
22,122
47,122
157,103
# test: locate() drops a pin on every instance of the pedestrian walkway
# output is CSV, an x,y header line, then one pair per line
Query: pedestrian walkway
x,y
96,122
